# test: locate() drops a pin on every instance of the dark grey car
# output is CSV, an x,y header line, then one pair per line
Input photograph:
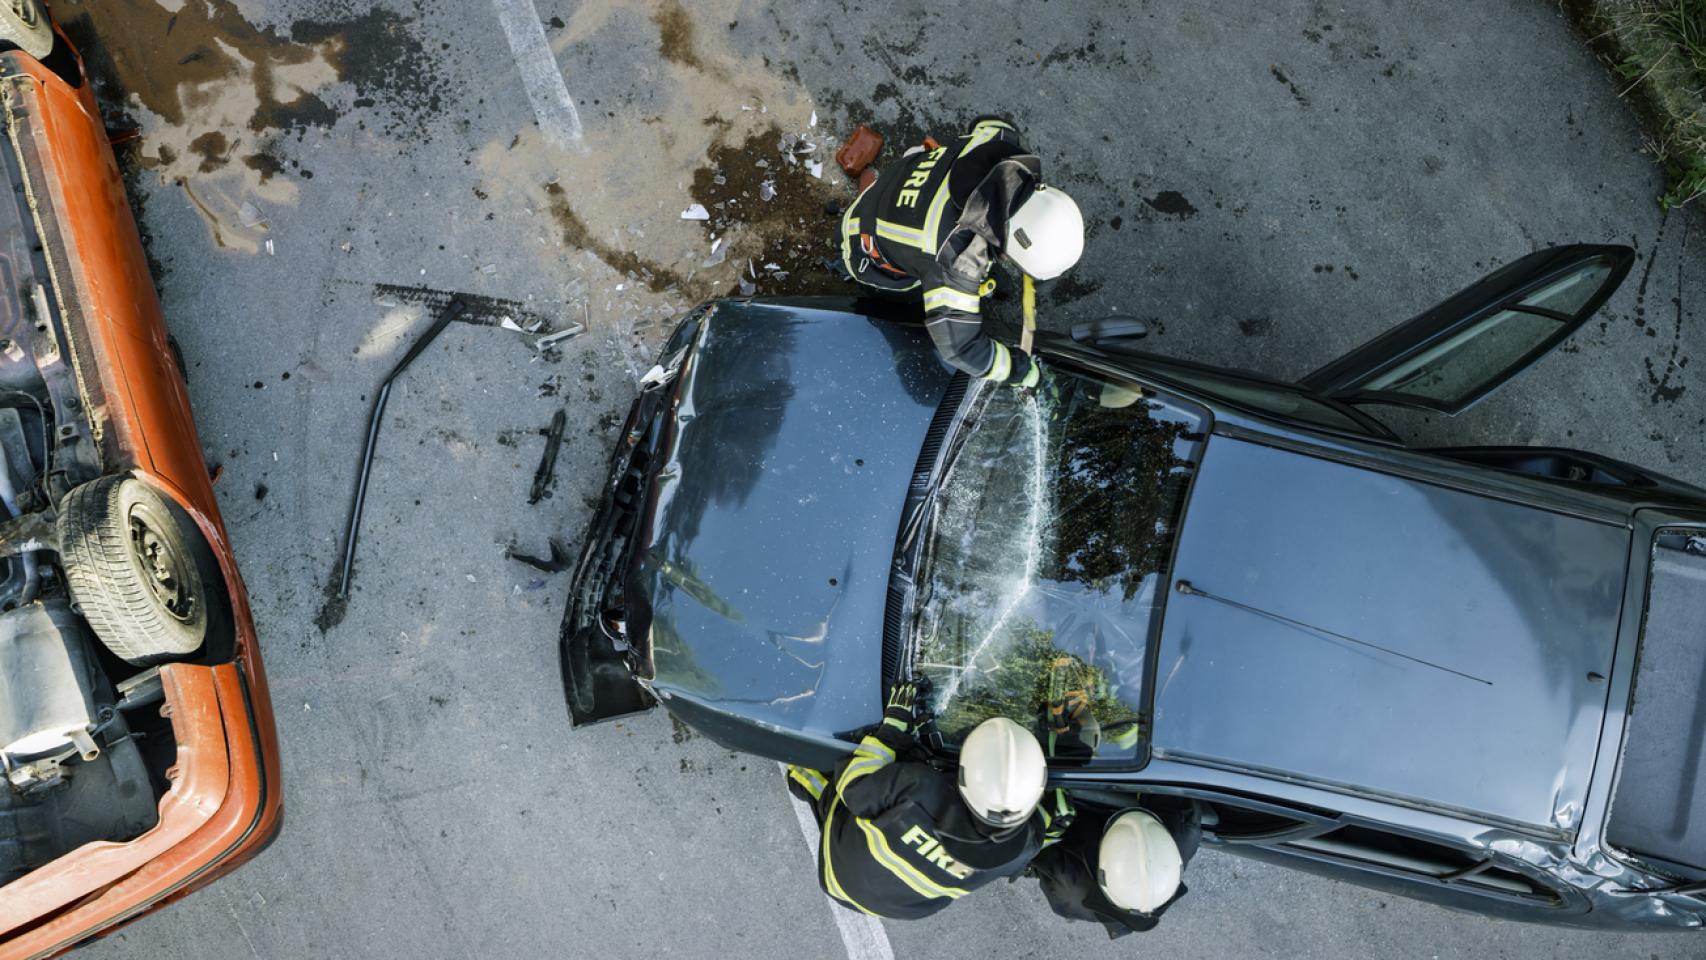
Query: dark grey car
x,y
1468,675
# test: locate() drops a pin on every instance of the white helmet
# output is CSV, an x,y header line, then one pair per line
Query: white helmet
x,y
1002,772
1138,865
1045,236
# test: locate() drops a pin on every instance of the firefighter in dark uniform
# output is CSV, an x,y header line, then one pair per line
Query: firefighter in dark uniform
x,y
902,839
936,221
1121,869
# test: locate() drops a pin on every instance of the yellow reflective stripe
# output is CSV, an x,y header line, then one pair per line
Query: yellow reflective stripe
x,y
813,781
871,755
982,134
897,865
829,882
933,218
951,299
900,233
997,124
1002,365
872,747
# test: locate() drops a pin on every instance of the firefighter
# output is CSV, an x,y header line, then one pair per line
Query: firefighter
x,y
935,223
902,839
1121,869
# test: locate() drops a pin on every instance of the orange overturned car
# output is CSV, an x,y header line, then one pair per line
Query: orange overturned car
x,y
137,749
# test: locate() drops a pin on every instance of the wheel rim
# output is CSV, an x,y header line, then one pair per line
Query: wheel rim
x,y
165,569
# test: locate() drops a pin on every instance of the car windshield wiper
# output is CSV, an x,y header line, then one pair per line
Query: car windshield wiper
x,y
951,447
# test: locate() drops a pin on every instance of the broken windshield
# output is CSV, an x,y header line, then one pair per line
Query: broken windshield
x,y
1050,538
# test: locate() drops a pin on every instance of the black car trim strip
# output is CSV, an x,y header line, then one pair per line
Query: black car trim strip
x,y
1499,487
1266,773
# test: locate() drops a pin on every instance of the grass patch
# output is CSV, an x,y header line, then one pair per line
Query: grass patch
x,y
1658,48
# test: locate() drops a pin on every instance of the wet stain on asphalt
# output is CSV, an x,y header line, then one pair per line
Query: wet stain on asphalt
x,y
1172,203
1665,375
783,240
625,262
675,35
1296,94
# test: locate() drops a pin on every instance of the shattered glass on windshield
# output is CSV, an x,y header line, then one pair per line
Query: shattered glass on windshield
x,y
1050,538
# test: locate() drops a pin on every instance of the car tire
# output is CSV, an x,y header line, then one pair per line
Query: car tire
x,y
130,561
25,26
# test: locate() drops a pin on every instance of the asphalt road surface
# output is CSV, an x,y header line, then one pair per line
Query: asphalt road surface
x,y
1270,183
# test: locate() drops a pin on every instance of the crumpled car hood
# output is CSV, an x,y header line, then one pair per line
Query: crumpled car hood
x,y
774,515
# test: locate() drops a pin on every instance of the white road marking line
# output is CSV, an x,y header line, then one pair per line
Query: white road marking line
x,y
861,934
540,76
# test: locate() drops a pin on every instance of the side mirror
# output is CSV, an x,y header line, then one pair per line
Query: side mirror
x,y
1109,330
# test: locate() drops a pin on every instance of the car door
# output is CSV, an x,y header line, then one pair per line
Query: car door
x,y
1453,355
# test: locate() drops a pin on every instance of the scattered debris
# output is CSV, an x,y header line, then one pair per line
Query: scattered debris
x,y
453,310
559,560
249,215
269,247
771,211
813,121
550,340
476,308
489,269
548,463
552,386
695,211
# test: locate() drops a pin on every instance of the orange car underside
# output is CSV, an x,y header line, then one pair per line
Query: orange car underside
x,y
222,805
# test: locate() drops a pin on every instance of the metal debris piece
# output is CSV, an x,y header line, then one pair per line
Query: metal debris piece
x,y
552,339
805,147
747,287
761,162
249,215
816,168
269,247
489,269
813,121
452,310
720,180
508,324
548,463
559,560
718,255
715,243
767,191
695,211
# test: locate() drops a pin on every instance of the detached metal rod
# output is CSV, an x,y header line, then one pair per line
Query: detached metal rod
x,y
452,310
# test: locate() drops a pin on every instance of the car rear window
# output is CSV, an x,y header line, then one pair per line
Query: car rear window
x,y
1047,547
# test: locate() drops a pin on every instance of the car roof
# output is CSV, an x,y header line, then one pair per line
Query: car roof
x,y
1495,621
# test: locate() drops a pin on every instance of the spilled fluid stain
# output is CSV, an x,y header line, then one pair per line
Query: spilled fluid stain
x,y
625,262
780,244
174,62
217,97
1172,203
675,34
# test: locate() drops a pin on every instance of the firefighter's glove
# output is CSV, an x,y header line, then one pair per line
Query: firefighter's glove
x,y
902,711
